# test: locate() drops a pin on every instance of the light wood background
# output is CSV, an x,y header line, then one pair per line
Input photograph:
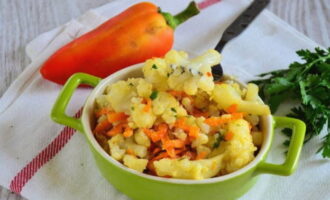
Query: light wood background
x,y
23,20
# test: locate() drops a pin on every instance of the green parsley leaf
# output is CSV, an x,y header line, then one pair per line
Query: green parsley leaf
x,y
218,139
173,110
154,95
154,66
308,84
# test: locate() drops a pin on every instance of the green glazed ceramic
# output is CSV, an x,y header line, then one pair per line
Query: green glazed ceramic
x,y
139,186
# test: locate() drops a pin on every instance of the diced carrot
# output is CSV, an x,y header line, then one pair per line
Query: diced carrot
x,y
237,115
161,155
128,132
115,117
102,126
174,144
151,167
162,130
116,129
156,150
214,121
181,123
178,143
176,93
152,135
179,151
102,111
147,107
229,135
198,113
232,108
179,94
209,74
193,131
201,155
130,152
171,152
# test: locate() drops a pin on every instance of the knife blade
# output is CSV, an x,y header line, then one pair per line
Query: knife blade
x,y
236,28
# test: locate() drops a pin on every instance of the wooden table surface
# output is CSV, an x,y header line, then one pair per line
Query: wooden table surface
x,y
23,20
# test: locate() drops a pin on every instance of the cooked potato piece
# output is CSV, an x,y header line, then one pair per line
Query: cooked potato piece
x,y
135,163
186,169
225,95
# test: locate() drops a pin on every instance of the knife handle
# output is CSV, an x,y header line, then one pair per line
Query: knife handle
x,y
242,22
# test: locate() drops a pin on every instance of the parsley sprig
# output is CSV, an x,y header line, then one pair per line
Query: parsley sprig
x,y
308,83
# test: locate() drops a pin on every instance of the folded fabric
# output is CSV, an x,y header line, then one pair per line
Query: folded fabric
x,y
43,160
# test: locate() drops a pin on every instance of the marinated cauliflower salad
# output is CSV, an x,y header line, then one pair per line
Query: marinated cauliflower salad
x,y
176,122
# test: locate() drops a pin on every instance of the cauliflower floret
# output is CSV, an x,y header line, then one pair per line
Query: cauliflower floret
x,y
239,151
178,78
180,134
138,150
176,58
156,72
188,76
102,101
201,99
120,95
203,148
141,138
203,126
186,169
117,146
144,88
141,118
201,139
135,163
167,107
225,95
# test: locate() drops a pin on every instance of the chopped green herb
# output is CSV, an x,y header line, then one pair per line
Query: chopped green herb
x,y
308,84
173,110
154,66
130,84
154,95
218,139
132,108
168,74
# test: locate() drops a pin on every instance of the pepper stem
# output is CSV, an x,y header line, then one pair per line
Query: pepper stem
x,y
176,20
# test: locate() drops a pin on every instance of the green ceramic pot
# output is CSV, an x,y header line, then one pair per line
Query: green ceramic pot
x,y
139,186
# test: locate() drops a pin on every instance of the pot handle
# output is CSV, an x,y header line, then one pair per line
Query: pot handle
x,y
288,167
62,101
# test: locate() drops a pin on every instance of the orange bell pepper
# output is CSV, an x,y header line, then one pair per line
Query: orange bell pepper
x,y
141,32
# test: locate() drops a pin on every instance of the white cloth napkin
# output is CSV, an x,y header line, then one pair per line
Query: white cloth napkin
x,y
41,161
